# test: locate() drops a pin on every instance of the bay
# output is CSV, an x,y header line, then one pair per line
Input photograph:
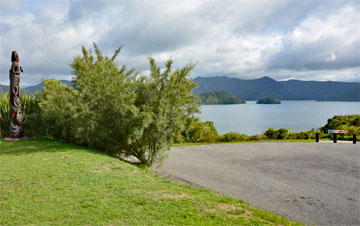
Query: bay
x,y
252,118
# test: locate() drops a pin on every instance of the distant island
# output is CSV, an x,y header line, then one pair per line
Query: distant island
x,y
268,100
254,89
218,97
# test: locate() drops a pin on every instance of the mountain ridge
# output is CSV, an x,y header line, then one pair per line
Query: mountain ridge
x,y
254,89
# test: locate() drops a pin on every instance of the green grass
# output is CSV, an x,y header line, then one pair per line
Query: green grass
x,y
46,182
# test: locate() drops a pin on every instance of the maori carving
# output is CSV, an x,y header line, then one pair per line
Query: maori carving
x,y
16,130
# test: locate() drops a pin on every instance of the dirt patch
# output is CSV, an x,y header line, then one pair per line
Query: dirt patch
x,y
230,210
177,196
226,207
105,168
66,156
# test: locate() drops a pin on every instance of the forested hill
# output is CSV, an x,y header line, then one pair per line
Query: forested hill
x,y
284,90
218,97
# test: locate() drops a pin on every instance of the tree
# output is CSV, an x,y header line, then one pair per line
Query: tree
x,y
271,133
282,133
201,132
165,104
119,111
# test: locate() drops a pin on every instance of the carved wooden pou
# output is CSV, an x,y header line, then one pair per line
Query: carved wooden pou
x,y
16,130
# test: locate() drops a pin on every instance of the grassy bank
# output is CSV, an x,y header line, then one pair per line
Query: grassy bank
x,y
45,182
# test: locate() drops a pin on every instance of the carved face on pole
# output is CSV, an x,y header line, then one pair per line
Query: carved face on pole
x,y
16,130
14,56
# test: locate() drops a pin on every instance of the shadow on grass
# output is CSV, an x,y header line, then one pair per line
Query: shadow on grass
x,y
35,145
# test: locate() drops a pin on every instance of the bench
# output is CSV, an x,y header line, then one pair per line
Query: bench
x,y
336,132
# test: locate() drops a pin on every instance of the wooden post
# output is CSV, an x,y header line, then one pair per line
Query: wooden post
x,y
354,138
317,137
335,137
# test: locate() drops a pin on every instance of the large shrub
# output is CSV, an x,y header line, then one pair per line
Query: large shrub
x,y
230,137
274,134
201,132
234,137
59,107
282,133
271,133
343,122
117,110
165,105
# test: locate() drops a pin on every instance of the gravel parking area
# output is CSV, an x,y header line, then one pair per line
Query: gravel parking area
x,y
314,183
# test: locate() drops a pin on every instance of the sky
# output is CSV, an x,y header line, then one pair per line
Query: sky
x,y
246,39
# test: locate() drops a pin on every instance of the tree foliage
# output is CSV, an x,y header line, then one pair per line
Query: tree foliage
x,y
274,134
351,123
117,110
268,100
201,132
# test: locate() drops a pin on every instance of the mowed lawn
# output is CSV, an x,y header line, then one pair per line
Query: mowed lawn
x,y
46,182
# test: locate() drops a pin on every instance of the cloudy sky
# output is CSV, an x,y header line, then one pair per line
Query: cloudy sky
x,y
283,39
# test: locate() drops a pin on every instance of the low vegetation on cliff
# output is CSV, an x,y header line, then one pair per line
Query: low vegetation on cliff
x,y
268,100
218,97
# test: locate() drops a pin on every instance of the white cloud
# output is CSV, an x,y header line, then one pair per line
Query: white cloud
x,y
331,57
246,39
324,43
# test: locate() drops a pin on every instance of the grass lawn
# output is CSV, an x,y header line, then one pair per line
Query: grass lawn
x,y
46,182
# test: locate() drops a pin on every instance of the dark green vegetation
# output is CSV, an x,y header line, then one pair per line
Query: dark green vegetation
x,y
268,100
112,108
30,111
351,123
205,132
45,182
218,97
119,111
199,132
284,90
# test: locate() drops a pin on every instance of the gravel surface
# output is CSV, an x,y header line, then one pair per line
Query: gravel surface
x,y
314,183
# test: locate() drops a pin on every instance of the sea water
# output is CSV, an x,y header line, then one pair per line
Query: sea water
x,y
252,118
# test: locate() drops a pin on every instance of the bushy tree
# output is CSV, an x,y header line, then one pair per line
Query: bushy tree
x,y
117,110
201,132
165,104
271,133
231,137
97,110
347,122
58,103
282,133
